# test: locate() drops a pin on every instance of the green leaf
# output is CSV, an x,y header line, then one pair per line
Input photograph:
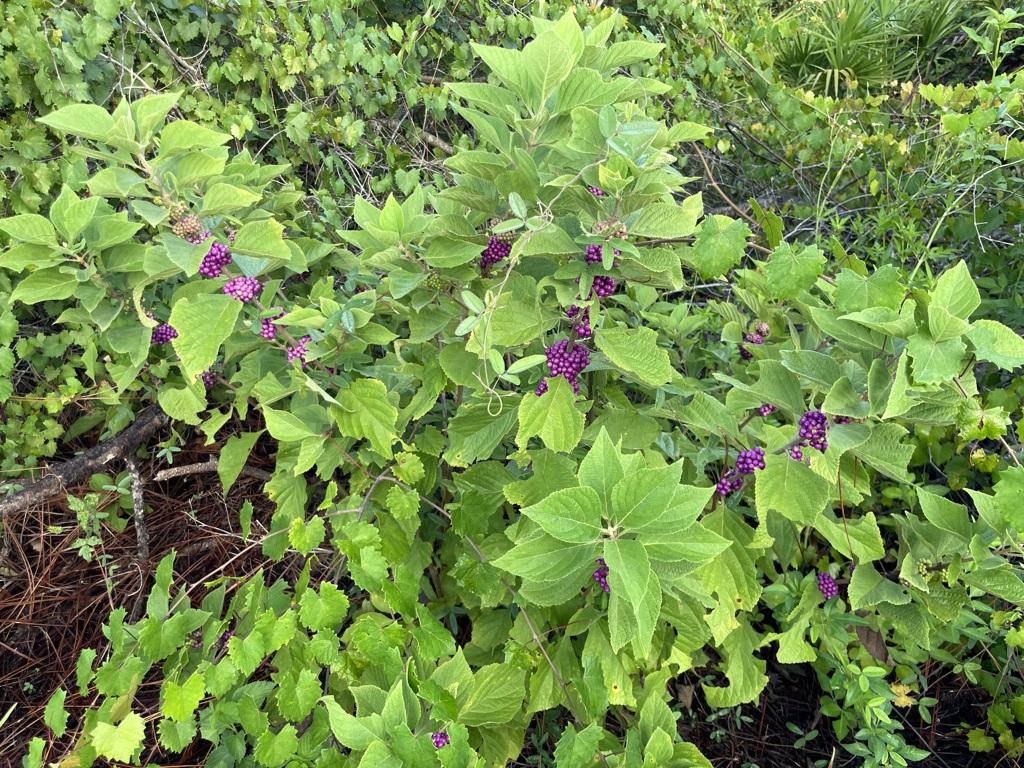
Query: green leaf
x,y
602,468
1009,497
882,288
180,702
298,694
181,404
862,533
997,344
203,323
868,588
790,488
572,515
119,742
276,749
476,431
732,575
305,536
642,497
815,366
222,197
286,426
720,245
946,515
71,215
577,750
496,698
86,120
844,400
29,228
545,558
886,452
234,455
45,285
553,416
546,61
326,610
666,219
183,135
55,716
364,411
262,240
636,350
956,293
791,271
507,65
743,669
628,568
433,639
1004,582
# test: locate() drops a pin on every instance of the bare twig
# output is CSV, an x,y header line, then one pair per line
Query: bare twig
x,y
207,466
139,505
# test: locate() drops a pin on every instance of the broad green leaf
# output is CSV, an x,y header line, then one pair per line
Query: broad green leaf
x,y
434,640
693,544
553,416
1009,497
546,61
744,671
235,453
642,497
203,323
183,135
636,350
720,245
306,535
119,742
366,412
633,622
997,344
817,367
223,197
882,288
868,588
1003,582
585,88
182,404
507,65
326,610
791,488
667,219
572,515
298,694
476,431
946,515
545,558
956,293
86,120
862,533
577,749
286,426
277,749
943,326
180,702
684,132
732,575
791,271
448,252
602,468
886,452
496,697
262,240
885,320
29,228
55,716
45,285
687,503
843,400
628,568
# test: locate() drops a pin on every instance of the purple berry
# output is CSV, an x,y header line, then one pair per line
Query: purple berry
x,y
596,192
592,253
763,328
215,259
796,454
566,363
748,461
601,574
494,252
267,328
244,289
440,739
813,426
842,420
208,377
604,286
827,585
766,409
582,326
163,333
755,338
299,352
745,354
730,482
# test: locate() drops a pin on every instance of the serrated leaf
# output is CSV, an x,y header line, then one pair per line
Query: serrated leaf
x,y
545,558
55,716
496,697
572,515
885,451
119,742
233,456
305,536
366,412
325,610
476,431
791,271
743,669
868,588
956,292
1009,497
203,323
997,344
642,497
667,219
719,246
277,749
180,702
790,488
636,350
552,416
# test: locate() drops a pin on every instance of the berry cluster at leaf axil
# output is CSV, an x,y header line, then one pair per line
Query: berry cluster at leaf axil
x,y
163,333
440,739
827,585
496,250
565,362
601,574
746,463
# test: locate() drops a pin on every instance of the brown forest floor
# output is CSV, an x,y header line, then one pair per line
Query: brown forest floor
x,y
52,605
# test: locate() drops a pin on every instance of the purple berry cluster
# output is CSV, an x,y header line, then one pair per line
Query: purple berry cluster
x,y
827,585
745,353
754,338
796,454
163,333
843,420
196,639
592,253
603,285
440,739
215,259
245,289
763,329
495,251
813,426
767,409
209,378
299,352
596,192
748,461
222,641
267,328
601,574
565,362
729,483
582,326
